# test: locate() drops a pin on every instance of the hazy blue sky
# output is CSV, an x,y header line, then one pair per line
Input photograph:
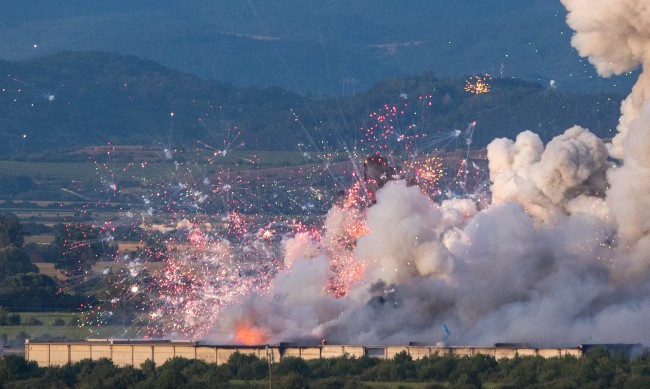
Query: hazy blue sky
x,y
310,45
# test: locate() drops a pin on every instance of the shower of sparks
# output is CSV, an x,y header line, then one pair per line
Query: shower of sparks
x,y
478,84
212,229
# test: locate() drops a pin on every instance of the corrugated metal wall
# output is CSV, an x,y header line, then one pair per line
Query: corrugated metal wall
x,y
134,353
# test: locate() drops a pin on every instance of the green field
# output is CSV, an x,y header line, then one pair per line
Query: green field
x,y
39,239
87,170
65,328
77,171
67,332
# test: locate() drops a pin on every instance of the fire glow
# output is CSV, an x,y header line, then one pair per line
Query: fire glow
x,y
249,335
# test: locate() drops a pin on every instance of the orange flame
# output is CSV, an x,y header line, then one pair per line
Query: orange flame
x,y
249,335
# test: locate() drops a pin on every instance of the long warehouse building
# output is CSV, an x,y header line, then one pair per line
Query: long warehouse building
x,y
125,352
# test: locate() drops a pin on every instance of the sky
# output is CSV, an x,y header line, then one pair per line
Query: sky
x,y
331,47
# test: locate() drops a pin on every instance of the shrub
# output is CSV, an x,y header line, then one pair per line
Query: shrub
x,y
33,321
294,365
13,320
291,380
74,322
58,322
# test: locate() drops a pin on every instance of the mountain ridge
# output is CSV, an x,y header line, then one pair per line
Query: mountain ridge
x,y
316,46
77,99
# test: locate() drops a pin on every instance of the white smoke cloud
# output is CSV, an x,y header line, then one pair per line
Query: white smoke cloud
x,y
629,201
405,237
615,36
629,194
546,180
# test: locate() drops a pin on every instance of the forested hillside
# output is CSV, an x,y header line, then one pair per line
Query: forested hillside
x,y
327,47
72,99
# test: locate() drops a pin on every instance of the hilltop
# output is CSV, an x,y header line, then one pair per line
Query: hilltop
x,y
332,47
77,99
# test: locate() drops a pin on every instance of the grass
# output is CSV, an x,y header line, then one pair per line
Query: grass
x,y
86,170
40,239
65,172
47,317
67,331
39,203
49,270
52,216
99,267
14,335
50,171
57,332
37,213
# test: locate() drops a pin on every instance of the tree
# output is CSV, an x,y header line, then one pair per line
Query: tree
x,y
14,260
78,247
103,373
436,367
177,372
28,291
247,366
293,365
11,231
14,367
291,380
469,369
13,185
4,315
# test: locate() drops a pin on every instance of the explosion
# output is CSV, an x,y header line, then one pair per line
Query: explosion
x,y
426,174
478,84
249,335
558,256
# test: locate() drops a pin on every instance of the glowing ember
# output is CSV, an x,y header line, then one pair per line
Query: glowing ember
x,y
478,84
249,335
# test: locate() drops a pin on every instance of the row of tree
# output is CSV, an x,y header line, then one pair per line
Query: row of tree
x,y
597,369
74,249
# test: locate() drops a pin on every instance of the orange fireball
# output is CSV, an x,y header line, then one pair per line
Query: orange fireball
x,y
249,335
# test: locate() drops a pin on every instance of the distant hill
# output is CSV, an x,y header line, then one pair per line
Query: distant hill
x,y
333,47
76,99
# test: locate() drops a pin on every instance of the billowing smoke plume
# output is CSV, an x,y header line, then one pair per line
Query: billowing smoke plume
x,y
489,276
548,181
615,36
629,199
561,256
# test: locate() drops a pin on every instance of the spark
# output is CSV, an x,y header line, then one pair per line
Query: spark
x,y
478,84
